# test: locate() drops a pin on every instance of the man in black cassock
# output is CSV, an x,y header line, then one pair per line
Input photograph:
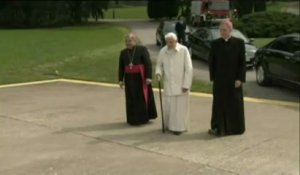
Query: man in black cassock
x,y
135,72
227,72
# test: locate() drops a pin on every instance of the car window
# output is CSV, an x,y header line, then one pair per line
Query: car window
x,y
294,44
169,27
280,44
161,25
203,34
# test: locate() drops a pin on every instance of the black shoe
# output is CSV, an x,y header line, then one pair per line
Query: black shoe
x,y
212,132
177,133
215,132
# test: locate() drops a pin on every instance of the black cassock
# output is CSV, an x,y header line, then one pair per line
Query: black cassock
x,y
226,65
140,104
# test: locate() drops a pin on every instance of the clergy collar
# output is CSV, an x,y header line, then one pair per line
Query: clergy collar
x,y
227,39
130,49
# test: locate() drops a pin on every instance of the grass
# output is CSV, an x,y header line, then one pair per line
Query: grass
x,y
197,86
139,12
204,86
260,42
88,53
276,6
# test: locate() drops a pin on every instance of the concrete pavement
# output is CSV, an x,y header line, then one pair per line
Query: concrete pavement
x,y
78,128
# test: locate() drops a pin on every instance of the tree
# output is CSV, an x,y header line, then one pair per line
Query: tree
x,y
151,10
34,13
96,8
160,9
260,5
171,8
156,9
17,13
244,7
186,9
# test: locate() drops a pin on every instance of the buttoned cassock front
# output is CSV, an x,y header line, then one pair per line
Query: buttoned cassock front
x,y
175,66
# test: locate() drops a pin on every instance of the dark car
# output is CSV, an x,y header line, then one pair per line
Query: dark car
x,y
164,28
279,61
200,43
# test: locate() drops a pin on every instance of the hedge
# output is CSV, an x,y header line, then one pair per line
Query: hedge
x,y
268,24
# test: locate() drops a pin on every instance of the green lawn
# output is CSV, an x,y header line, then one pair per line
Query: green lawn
x,y
127,13
89,53
276,6
260,42
85,53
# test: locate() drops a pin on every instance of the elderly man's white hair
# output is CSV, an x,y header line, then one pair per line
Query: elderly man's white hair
x,y
171,35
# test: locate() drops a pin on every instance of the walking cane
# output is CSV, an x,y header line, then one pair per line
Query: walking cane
x,y
161,107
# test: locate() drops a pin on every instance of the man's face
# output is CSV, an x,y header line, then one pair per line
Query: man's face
x,y
225,31
171,42
130,42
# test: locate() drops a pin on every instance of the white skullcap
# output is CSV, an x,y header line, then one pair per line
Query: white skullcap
x,y
171,35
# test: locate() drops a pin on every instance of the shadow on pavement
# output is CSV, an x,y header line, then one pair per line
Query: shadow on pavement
x,y
140,135
97,127
151,137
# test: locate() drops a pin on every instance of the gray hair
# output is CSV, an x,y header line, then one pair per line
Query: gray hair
x,y
131,36
171,35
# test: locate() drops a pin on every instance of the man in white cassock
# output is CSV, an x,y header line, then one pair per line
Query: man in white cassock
x,y
174,67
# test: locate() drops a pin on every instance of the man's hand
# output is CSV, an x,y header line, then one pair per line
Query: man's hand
x,y
148,81
184,90
237,84
121,84
158,77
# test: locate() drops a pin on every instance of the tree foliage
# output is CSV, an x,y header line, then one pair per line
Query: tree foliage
x,y
165,8
268,24
245,7
23,14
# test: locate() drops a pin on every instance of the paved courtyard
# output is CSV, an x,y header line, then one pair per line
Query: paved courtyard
x,y
78,128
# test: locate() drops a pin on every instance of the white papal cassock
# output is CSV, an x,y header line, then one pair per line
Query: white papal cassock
x,y
175,66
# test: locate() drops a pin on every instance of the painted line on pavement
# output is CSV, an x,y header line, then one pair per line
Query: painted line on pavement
x,y
29,83
197,94
89,83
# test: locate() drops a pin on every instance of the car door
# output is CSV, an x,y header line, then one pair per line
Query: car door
x,y
292,60
275,57
159,32
204,43
194,41
207,43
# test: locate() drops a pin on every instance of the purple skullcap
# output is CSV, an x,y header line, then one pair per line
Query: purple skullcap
x,y
227,23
